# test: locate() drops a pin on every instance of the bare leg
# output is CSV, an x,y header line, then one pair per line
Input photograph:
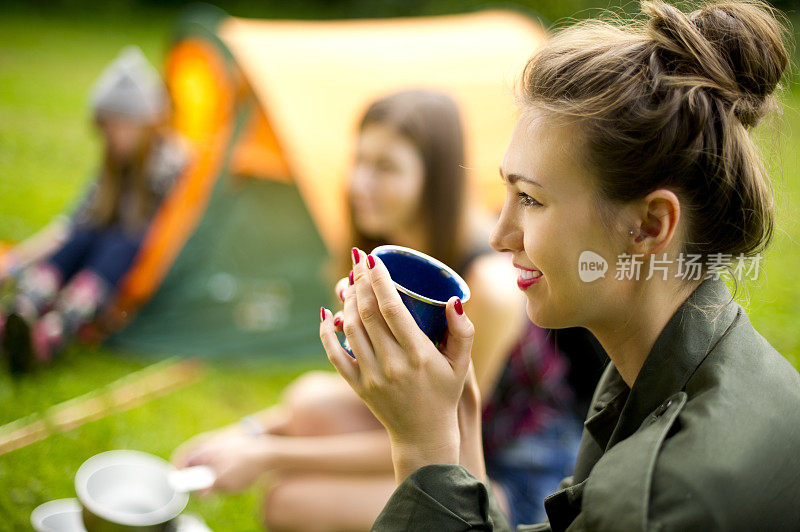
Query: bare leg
x,y
319,403
322,503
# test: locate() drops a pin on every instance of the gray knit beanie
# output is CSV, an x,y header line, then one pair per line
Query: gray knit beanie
x,y
132,87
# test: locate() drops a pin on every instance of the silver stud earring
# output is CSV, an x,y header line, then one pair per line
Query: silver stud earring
x,y
630,232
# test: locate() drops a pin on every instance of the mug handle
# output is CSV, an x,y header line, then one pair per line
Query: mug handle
x,y
192,478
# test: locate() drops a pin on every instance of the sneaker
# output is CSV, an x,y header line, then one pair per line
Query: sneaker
x,y
17,345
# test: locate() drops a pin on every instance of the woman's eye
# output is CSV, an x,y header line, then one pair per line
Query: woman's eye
x,y
527,201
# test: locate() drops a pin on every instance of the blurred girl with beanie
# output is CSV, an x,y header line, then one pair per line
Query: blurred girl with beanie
x,y
80,265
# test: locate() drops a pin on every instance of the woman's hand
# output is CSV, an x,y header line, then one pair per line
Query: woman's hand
x,y
408,384
180,455
237,458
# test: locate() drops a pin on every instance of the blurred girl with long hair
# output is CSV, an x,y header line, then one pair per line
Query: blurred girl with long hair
x,y
61,282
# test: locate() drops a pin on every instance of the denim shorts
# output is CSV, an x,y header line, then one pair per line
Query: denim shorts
x,y
108,252
531,467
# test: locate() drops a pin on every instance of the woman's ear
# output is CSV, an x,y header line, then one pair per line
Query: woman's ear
x,y
658,216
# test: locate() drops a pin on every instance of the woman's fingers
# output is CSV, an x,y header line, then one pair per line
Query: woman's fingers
x,y
460,333
341,360
393,311
197,457
353,329
181,455
379,333
341,286
178,459
338,321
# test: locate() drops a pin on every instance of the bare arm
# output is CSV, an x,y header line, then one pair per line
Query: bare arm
x,y
38,246
239,458
361,452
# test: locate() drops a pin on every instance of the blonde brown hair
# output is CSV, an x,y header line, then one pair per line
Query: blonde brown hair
x,y
431,121
116,175
667,102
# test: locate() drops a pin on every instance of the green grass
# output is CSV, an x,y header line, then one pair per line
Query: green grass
x,y
47,152
45,470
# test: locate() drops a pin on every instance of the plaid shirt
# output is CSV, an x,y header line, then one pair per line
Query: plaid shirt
x,y
531,391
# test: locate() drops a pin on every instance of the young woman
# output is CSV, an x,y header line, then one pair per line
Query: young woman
x,y
633,142
329,453
65,278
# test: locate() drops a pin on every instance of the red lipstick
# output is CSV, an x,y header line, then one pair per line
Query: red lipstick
x,y
527,277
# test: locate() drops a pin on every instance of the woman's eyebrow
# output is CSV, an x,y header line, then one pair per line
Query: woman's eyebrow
x,y
513,178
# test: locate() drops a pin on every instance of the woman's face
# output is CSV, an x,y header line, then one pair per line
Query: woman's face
x,y
386,183
123,136
549,219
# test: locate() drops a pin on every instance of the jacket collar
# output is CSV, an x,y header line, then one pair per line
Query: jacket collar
x,y
692,332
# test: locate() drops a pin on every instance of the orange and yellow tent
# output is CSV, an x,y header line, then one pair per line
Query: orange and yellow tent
x,y
232,261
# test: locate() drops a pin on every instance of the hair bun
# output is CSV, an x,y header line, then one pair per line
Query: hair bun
x,y
738,47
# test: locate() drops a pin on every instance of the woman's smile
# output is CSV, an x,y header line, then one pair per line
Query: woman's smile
x,y
527,276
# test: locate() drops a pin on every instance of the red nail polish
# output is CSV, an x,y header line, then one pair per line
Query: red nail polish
x,y
356,256
341,294
370,262
350,278
337,321
458,307
321,314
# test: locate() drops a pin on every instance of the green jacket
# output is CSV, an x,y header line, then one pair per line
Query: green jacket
x,y
708,438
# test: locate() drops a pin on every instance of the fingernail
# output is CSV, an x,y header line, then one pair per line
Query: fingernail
x,y
356,256
337,321
370,262
458,307
341,294
350,278
321,314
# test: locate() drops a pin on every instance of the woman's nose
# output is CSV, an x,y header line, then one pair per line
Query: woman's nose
x,y
506,235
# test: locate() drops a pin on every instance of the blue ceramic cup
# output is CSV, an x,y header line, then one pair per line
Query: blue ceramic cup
x,y
425,285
